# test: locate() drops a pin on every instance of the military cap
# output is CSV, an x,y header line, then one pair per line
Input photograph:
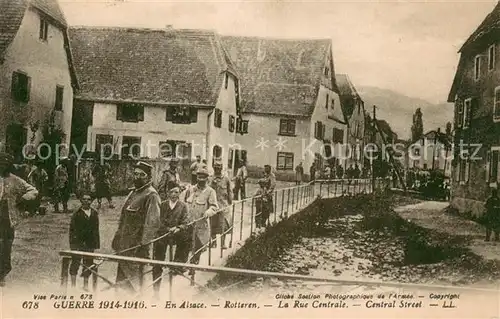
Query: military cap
x,y
202,172
267,166
147,168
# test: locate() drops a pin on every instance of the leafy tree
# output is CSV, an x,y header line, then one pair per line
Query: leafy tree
x,y
417,128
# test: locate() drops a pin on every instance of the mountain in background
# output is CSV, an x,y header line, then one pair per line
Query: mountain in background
x,y
398,109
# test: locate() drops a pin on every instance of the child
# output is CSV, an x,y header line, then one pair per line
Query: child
x,y
83,236
262,203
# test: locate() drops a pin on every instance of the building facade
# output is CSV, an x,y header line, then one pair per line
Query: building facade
x,y
290,102
36,75
475,93
431,152
155,93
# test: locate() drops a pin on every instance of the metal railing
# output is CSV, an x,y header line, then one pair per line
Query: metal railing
x,y
246,215
349,187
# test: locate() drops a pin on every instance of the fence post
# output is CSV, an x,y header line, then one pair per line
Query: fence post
x,y
293,200
241,220
64,272
94,280
275,205
320,189
282,203
209,241
170,273
328,188
232,226
193,241
251,217
287,202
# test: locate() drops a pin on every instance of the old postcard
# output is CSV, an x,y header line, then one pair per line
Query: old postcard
x,y
255,159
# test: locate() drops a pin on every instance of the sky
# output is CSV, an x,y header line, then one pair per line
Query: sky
x,y
406,46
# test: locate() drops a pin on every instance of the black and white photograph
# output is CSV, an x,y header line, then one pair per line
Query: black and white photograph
x,y
262,159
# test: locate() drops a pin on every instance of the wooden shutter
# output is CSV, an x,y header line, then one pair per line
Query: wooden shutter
x,y
316,129
28,89
169,116
119,112
193,115
15,86
244,128
140,112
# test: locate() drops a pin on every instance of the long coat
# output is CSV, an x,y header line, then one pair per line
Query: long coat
x,y
84,231
199,201
14,190
176,217
139,223
222,186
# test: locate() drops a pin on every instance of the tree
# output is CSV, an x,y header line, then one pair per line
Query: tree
x,y
417,128
448,129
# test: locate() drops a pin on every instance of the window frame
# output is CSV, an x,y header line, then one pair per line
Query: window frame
x,y
43,31
139,138
477,67
217,118
15,91
139,116
173,114
491,57
339,131
463,172
466,111
495,106
232,123
288,124
96,144
490,178
285,156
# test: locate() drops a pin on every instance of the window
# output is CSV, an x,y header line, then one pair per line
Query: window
x,y
333,104
20,89
217,118
130,112
491,57
231,123
477,67
284,161
287,127
230,158
460,113
181,114
319,131
326,102
131,146
337,135
496,105
172,148
492,163
44,29
59,98
241,126
104,144
467,110
226,81
327,71
463,167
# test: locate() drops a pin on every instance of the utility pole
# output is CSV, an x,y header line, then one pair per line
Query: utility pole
x,y
374,140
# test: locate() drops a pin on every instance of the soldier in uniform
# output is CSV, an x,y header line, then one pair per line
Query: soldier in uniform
x,y
492,215
222,186
139,224
194,168
202,202
61,187
271,185
169,179
13,192
101,173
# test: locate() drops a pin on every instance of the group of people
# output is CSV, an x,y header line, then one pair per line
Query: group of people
x,y
187,216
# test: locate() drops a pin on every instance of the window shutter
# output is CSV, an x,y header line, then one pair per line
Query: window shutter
x,y
119,112
140,112
316,130
193,115
245,126
14,86
28,88
169,113
488,165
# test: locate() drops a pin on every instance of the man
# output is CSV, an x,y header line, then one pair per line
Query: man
x,y
269,175
240,181
194,168
38,178
169,179
202,202
60,186
312,171
139,224
299,173
13,191
328,172
101,173
174,218
222,186
492,215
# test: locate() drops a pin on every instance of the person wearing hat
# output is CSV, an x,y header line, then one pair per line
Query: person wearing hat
x,y
194,169
139,224
61,192
38,177
220,222
263,200
174,219
240,181
492,215
14,192
271,185
169,179
201,200
101,173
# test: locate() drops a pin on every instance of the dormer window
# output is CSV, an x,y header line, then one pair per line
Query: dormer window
x,y
44,29
477,67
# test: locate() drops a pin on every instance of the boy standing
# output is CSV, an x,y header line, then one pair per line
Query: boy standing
x,y
263,204
83,236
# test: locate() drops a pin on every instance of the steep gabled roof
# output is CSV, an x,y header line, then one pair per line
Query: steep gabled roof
x,y
151,65
348,94
490,23
278,76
